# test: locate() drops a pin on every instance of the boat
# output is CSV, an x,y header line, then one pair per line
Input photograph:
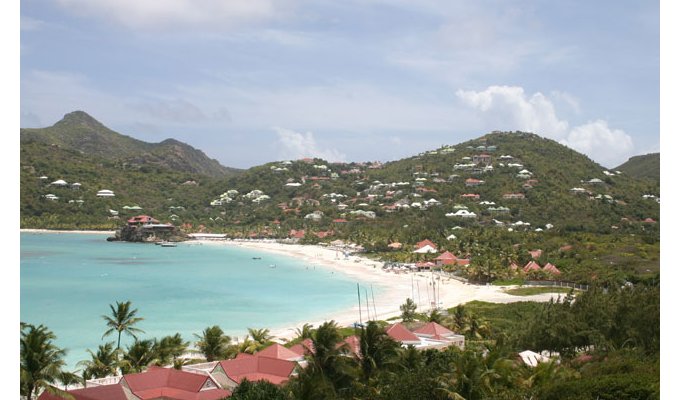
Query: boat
x,y
168,244
257,258
272,265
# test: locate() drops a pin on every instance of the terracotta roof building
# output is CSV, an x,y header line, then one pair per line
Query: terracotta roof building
x,y
229,373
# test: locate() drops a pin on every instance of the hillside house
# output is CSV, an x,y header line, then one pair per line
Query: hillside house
x,y
106,193
429,336
472,182
531,266
550,268
472,196
425,246
514,196
481,159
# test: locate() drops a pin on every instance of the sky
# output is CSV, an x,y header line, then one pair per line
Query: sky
x,y
254,81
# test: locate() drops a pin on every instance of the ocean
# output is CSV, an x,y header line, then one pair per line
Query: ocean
x,y
68,281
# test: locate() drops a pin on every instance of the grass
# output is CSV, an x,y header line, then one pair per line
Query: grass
x,y
530,291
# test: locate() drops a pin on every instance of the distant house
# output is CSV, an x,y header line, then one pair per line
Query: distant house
x,y
105,193
551,269
425,246
536,254
472,182
481,159
142,220
399,333
394,245
513,196
59,183
531,266
462,214
470,196
448,258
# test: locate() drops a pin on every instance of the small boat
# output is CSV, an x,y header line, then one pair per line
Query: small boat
x,y
168,244
257,258
272,265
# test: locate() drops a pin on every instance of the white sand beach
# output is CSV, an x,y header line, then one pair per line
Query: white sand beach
x,y
396,287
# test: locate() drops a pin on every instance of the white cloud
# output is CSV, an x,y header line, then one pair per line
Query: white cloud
x,y
510,108
295,145
173,14
602,143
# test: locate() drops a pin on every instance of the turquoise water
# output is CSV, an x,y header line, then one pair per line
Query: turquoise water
x,y
69,280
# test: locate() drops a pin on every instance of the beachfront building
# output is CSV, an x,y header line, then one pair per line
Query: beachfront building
x,y
427,336
229,373
156,383
425,246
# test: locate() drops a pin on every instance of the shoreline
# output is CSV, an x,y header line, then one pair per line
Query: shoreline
x,y
395,288
66,231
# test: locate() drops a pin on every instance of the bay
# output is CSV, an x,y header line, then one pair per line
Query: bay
x,y
68,281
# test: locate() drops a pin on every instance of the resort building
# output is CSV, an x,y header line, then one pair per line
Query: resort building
x,y
106,193
156,383
428,336
229,373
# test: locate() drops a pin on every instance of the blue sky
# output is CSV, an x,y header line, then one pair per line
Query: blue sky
x,y
252,81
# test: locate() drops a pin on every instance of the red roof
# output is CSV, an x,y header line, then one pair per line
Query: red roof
x,y
447,255
433,329
297,234
142,219
303,348
424,243
536,253
279,352
106,392
552,269
514,266
339,220
353,344
463,261
254,368
170,383
531,266
399,333
476,196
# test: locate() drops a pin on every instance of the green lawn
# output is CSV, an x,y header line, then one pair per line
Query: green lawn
x,y
530,291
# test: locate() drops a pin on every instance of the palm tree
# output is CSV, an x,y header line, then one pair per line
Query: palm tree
x,y
213,343
170,348
408,311
69,378
377,349
40,360
305,332
260,336
122,320
139,355
103,363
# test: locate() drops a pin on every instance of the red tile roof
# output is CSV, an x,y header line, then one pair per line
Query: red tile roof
x,y
170,383
424,243
142,219
552,269
433,329
279,352
447,255
531,266
106,392
255,368
353,344
399,333
303,348
536,253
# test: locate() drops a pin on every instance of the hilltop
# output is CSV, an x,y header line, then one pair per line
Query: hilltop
x,y
79,132
644,166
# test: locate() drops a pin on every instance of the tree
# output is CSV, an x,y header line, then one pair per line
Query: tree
x,y
260,390
408,311
121,320
261,337
41,362
213,343
139,355
305,332
377,350
103,363
170,348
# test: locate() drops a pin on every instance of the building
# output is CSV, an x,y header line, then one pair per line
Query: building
x,y
156,383
229,373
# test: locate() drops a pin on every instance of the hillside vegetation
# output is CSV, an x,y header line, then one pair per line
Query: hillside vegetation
x,y
492,200
645,166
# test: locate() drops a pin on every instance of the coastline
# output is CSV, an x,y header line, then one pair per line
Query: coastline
x,y
65,231
394,288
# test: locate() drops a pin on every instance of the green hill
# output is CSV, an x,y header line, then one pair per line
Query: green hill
x,y
644,166
79,132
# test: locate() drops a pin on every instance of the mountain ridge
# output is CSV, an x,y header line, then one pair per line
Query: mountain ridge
x,y
81,132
